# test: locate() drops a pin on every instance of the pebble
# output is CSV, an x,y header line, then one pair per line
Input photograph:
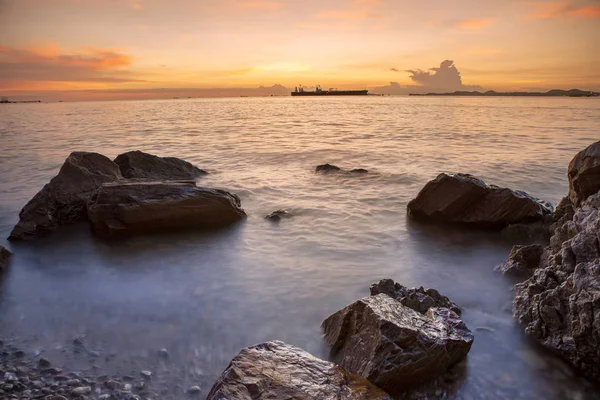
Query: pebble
x,y
104,397
146,374
163,353
194,390
81,391
44,362
73,382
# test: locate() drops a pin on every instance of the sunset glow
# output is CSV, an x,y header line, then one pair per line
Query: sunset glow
x,y
87,49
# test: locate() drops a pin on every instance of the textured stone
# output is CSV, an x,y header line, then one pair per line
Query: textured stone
x,y
327,168
122,209
584,174
275,370
393,346
418,299
278,215
464,199
63,200
5,256
144,166
522,260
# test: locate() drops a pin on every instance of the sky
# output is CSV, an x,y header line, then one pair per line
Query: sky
x,y
107,49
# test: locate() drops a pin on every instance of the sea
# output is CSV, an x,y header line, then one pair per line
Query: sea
x,y
204,296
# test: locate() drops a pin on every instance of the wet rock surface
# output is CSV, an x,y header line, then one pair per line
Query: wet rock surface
x,y
122,209
4,256
144,166
393,346
419,299
522,260
275,370
464,199
584,174
559,305
62,201
327,168
278,215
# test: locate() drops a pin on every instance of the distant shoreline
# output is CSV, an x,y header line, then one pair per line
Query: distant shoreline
x,y
492,93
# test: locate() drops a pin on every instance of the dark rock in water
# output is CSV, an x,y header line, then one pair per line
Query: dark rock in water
x,y
522,260
63,200
144,166
359,171
4,256
278,215
121,209
584,174
418,299
559,305
275,370
464,199
393,346
327,168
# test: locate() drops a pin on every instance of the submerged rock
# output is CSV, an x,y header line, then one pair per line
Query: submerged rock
x,y
275,370
419,299
559,305
359,171
393,346
584,174
464,199
4,256
63,200
327,168
121,209
278,215
140,165
522,260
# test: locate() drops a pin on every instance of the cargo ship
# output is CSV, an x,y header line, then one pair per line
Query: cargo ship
x,y
299,91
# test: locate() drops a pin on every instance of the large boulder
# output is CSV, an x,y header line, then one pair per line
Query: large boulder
x,y
584,174
63,200
143,166
559,305
393,346
4,256
122,209
419,299
464,199
275,370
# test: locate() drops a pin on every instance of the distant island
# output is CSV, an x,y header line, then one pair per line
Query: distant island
x,y
550,93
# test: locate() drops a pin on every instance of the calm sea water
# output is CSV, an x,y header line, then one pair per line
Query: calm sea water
x,y
204,297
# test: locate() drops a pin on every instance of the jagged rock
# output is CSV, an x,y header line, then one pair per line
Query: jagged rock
x,y
144,166
275,370
418,299
121,209
584,174
559,305
278,215
464,199
62,201
522,260
4,256
327,168
393,346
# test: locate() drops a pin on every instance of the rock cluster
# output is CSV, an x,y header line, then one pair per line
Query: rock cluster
x,y
85,175
4,256
419,299
467,200
559,305
275,370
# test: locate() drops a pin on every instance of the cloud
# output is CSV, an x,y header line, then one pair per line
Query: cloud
x,y
475,23
241,5
567,9
445,78
394,69
50,64
347,14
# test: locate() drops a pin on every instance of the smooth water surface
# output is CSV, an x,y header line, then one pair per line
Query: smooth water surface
x,y
205,296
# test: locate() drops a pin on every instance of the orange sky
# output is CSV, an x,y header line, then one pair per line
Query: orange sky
x,y
83,49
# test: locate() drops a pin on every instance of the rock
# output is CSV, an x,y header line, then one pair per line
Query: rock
x,y
144,166
63,200
584,174
121,209
163,353
327,168
464,199
359,171
522,260
278,215
146,375
393,346
4,256
81,391
419,299
194,390
44,362
275,370
559,305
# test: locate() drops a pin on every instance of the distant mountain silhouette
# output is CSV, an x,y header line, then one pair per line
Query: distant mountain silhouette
x,y
550,93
